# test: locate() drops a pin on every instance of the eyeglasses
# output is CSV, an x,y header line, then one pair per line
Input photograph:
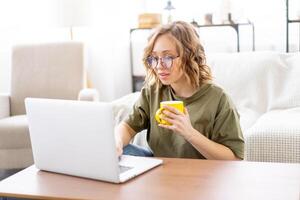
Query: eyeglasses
x,y
166,61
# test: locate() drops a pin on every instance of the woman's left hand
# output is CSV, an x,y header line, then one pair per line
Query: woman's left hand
x,y
180,122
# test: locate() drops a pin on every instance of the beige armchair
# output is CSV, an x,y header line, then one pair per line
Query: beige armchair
x,y
53,70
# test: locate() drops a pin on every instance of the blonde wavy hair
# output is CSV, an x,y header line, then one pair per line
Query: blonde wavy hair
x,y
191,53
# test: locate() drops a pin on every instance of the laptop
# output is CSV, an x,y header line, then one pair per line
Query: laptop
x,y
77,138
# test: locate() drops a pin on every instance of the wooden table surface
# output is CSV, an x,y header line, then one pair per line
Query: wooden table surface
x,y
175,179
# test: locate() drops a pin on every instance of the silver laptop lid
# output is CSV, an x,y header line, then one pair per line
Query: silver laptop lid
x,y
73,137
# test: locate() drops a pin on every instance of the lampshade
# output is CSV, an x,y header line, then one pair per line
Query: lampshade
x,y
74,12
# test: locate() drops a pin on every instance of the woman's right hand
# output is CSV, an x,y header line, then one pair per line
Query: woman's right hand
x,y
119,146
123,135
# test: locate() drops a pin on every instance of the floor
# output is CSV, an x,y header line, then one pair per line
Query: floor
x,y
6,173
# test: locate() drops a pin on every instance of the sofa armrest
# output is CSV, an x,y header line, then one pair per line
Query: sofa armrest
x,y
88,94
275,137
4,105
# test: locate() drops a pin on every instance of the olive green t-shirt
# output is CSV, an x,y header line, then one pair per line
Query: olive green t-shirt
x,y
211,112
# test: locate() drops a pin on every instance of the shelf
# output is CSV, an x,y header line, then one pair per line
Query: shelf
x,y
134,29
293,21
235,26
228,24
288,22
137,81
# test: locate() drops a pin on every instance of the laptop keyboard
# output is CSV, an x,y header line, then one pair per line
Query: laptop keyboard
x,y
124,168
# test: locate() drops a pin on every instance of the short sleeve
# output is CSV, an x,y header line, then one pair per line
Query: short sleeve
x,y
138,119
226,128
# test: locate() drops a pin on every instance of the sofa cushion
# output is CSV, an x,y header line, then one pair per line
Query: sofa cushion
x,y
249,78
247,118
14,133
275,137
254,80
286,93
53,70
123,106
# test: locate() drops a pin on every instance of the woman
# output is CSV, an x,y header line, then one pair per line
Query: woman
x,y
176,70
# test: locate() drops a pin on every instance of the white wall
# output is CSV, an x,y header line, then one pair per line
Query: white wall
x,y
108,46
268,16
106,38
107,35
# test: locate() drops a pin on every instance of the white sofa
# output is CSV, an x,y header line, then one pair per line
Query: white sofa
x,y
265,87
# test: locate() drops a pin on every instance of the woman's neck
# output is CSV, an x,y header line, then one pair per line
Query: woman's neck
x,y
183,90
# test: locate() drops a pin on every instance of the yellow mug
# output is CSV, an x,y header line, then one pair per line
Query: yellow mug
x,y
175,104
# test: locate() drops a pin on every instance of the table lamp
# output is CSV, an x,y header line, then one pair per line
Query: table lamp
x,y
74,13
169,8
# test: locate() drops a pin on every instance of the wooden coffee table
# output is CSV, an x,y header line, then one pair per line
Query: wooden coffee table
x,y
175,179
